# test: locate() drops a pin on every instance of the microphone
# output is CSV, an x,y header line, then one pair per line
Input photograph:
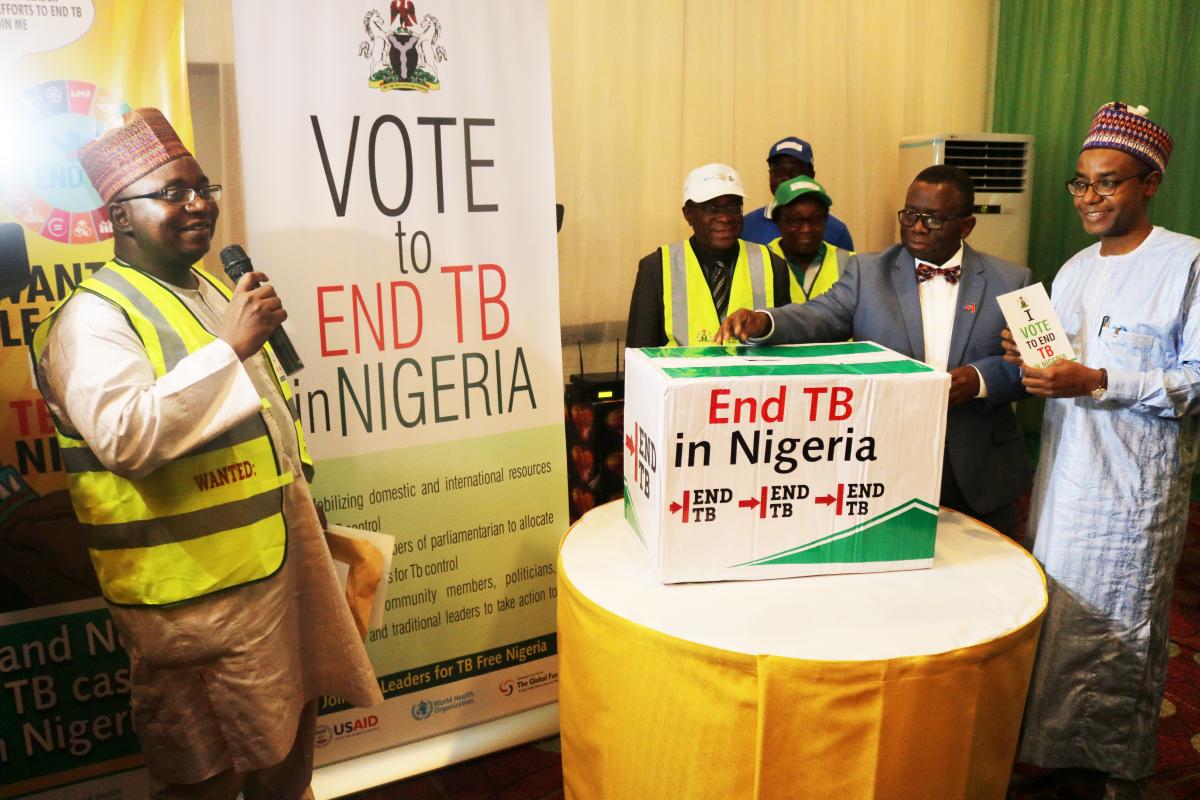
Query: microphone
x,y
237,264
14,259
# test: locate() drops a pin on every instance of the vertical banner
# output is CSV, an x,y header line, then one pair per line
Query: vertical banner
x,y
399,190
69,69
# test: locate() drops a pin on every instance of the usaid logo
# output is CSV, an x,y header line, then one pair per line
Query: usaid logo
x,y
354,727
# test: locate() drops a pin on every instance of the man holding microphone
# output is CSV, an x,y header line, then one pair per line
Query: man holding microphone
x,y
187,471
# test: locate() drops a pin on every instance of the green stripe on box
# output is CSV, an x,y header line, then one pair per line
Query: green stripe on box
x,y
769,351
741,370
906,533
631,515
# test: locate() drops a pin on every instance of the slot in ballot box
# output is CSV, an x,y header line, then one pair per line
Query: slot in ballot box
x,y
747,462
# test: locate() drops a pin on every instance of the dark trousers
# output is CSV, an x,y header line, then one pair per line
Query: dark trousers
x,y
1005,519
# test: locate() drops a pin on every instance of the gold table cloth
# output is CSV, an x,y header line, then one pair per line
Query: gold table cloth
x,y
885,685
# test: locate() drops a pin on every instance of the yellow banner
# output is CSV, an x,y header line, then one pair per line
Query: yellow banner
x,y
69,69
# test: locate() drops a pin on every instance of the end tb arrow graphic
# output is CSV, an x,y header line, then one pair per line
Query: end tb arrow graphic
x,y
830,499
759,502
629,445
676,507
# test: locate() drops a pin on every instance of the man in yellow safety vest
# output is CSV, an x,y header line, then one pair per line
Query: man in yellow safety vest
x,y
186,469
684,290
801,209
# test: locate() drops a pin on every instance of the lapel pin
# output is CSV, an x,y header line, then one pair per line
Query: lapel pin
x,y
971,308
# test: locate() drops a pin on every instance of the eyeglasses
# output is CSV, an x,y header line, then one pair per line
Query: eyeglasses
x,y
797,223
908,218
1105,187
713,209
179,195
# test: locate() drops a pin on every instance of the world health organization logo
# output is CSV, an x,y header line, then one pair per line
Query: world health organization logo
x,y
41,180
404,54
422,710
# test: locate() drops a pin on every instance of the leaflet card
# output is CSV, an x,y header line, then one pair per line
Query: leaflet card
x,y
1035,327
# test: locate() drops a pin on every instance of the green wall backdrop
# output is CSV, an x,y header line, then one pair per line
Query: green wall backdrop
x,y
1058,61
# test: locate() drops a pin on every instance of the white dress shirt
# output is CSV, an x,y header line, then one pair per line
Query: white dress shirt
x,y
939,303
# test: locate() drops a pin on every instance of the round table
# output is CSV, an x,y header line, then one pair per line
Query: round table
x,y
883,685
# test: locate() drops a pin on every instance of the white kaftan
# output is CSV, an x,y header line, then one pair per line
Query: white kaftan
x,y
1110,505
219,682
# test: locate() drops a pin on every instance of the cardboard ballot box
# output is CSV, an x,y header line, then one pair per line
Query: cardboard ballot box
x,y
768,462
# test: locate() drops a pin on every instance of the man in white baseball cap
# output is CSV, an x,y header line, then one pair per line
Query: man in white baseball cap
x,y
686,289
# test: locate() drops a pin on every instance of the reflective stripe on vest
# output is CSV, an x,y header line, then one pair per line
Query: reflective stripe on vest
x,y
210,519
832,266
689,314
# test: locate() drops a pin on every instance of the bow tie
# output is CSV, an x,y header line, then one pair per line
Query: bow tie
x,y
951,274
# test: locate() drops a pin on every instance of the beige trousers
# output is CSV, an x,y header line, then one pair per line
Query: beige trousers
x,y
287,780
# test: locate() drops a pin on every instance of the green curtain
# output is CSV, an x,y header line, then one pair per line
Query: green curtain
x,y
1058,61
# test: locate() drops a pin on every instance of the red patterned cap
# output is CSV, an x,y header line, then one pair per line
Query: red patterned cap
x,y
1119,127
122,155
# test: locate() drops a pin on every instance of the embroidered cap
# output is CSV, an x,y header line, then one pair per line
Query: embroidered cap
x,y
122,155
712,180
1117,126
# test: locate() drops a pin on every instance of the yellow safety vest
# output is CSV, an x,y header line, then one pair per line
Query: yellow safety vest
x,y
209,520
827,274
689,314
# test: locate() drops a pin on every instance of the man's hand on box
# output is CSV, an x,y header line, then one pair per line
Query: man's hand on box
x,y
1061,379
743,324
964,384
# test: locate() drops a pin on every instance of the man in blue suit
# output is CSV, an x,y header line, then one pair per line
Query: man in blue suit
x,y
931,299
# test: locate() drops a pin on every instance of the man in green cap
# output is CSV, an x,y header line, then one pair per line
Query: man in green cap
x,y
801,209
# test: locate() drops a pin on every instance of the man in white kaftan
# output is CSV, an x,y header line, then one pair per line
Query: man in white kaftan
x,y
1119,442
224,685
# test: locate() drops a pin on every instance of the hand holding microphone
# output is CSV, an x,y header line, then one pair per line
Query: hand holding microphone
x,y
255,315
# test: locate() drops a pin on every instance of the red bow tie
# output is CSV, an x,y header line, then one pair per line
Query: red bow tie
x,y
951,274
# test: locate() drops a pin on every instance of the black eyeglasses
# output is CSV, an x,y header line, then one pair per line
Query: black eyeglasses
x,y
1105,187
908,218
713,209
178,195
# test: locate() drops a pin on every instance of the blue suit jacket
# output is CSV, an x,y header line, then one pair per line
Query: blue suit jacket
x,y
875,299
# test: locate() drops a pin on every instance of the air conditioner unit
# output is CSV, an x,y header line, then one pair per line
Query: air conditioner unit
x,y
1001,165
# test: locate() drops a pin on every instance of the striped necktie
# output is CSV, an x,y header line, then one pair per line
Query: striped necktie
x,y
720,288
